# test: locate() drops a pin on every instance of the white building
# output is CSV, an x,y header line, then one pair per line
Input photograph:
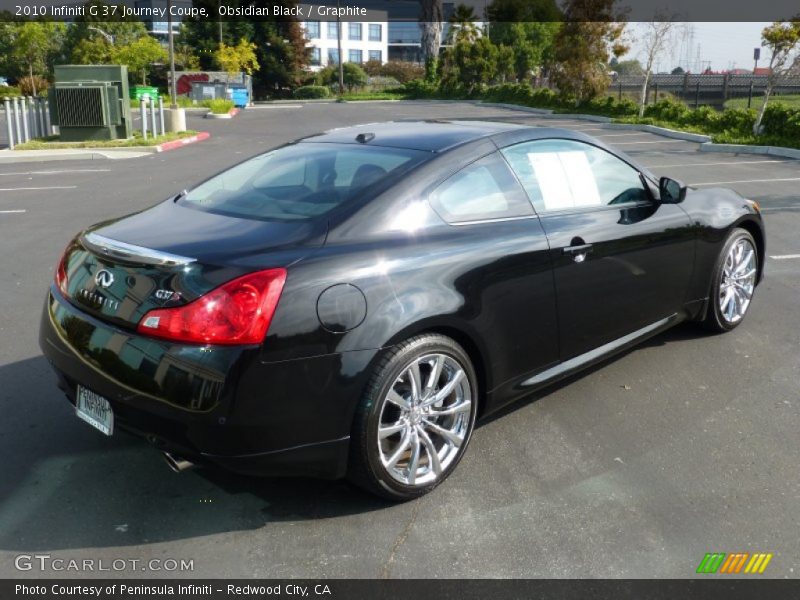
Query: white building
x,y
361,41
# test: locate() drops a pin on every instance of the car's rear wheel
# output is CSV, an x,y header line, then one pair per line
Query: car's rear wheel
x,y
415,420
733,282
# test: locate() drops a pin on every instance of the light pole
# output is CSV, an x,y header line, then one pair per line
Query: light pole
x,y
171,43
109,38
339,45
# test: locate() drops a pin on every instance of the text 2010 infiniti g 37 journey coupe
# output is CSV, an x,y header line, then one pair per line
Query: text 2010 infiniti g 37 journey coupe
x,y
351,303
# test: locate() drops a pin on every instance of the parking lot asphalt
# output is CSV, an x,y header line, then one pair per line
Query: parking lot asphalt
x,y
685,445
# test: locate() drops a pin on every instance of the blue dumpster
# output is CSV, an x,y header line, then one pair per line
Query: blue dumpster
x,y
239,95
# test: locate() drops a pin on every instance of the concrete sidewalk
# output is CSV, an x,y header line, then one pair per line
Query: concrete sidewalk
x,y
21,156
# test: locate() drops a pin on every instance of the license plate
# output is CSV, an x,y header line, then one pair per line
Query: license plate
x,y
95,410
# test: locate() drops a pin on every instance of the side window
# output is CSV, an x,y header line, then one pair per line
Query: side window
x,y
564,174
483,190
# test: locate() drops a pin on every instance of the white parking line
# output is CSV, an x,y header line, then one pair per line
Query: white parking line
x,y
656,142
785,256
57,172
719,164
746,181
54,187
623,134
8,212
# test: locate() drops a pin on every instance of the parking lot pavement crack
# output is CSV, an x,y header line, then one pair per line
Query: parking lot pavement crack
x,y
386,571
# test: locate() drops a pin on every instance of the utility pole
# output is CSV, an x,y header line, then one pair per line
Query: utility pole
x,y
339,44
171,43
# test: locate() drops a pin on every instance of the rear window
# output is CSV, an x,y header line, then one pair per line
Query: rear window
x,y
301,181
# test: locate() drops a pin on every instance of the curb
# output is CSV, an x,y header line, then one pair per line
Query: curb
x,y
166,146
25,156
670,133
746,149
228,115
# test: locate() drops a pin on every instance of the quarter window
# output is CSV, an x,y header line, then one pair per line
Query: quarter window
x,y
566,175
484,190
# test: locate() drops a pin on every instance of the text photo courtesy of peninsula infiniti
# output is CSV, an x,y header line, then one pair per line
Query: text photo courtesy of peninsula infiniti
x,y
348,305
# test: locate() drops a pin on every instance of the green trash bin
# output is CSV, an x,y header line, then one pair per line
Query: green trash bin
x,y
145,91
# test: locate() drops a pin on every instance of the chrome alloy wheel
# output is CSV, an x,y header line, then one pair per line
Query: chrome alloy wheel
x,y
425,419
738,281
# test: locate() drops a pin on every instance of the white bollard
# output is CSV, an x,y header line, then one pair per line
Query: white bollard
x,y
25,133
9,128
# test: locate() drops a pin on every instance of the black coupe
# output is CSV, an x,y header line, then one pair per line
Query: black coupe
x,y
350,304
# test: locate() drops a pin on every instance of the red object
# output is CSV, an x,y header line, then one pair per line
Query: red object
x,y
184,83
61,273
203,135
237,312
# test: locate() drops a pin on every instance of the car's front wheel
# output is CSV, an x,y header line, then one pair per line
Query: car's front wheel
x,y
415,419
733,282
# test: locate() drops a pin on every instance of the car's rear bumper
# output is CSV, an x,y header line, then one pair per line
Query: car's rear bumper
x,y
219,405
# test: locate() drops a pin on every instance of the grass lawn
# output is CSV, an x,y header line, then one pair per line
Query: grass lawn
x,y
52,143
790,100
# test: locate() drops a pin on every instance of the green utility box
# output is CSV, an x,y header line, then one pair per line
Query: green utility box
x,y
91,102
145,91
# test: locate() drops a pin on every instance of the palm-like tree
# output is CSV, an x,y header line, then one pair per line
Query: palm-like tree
x,y
463,26
431,25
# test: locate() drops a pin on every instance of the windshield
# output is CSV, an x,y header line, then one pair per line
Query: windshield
x,y
300,181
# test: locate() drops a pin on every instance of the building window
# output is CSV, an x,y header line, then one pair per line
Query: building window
x,y
375,33
355,31
316,57
333,56
355,56
332,35
312,29
376,55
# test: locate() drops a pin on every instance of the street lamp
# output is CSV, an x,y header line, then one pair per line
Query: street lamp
x,y
105,34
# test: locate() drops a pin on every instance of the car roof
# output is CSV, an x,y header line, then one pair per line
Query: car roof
x,y
429,136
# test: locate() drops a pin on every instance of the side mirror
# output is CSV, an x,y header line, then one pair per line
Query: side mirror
x,y
671,191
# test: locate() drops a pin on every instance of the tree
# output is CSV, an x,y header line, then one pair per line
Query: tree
x,y
463,25
431,25
33,44
123,29
469,65
591,34
528,27
238,58
628,68
677,71
92,51
657,35
140,55
782,38
203,37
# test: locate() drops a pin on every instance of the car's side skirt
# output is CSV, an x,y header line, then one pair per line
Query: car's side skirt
x,y
568,367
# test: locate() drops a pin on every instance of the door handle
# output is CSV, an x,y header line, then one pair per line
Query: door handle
x,y
578,252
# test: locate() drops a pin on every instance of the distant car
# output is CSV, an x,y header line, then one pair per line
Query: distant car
x,y
3,82
351,303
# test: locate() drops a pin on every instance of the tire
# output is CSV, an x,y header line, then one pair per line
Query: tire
x,y
733,282
428,425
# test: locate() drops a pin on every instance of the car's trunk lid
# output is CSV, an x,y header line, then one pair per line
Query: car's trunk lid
x,y
170,255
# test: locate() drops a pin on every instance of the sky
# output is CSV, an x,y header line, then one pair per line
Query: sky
x,y
722,45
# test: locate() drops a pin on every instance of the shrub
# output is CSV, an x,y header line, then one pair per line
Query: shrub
x,y
402,71
738,120
312,91
419,88
704,117
9,91
781,120
218,106
353,75
26,85
373,68
667,110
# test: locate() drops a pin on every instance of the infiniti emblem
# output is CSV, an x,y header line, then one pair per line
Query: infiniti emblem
x,y
103,278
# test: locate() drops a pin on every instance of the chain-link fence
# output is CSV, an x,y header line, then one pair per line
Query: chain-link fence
x,y
711,89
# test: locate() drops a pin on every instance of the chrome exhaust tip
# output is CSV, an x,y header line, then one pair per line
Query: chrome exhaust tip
x,y
176,463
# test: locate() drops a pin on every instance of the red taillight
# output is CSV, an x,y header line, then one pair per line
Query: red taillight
x,y
238,312
61,273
